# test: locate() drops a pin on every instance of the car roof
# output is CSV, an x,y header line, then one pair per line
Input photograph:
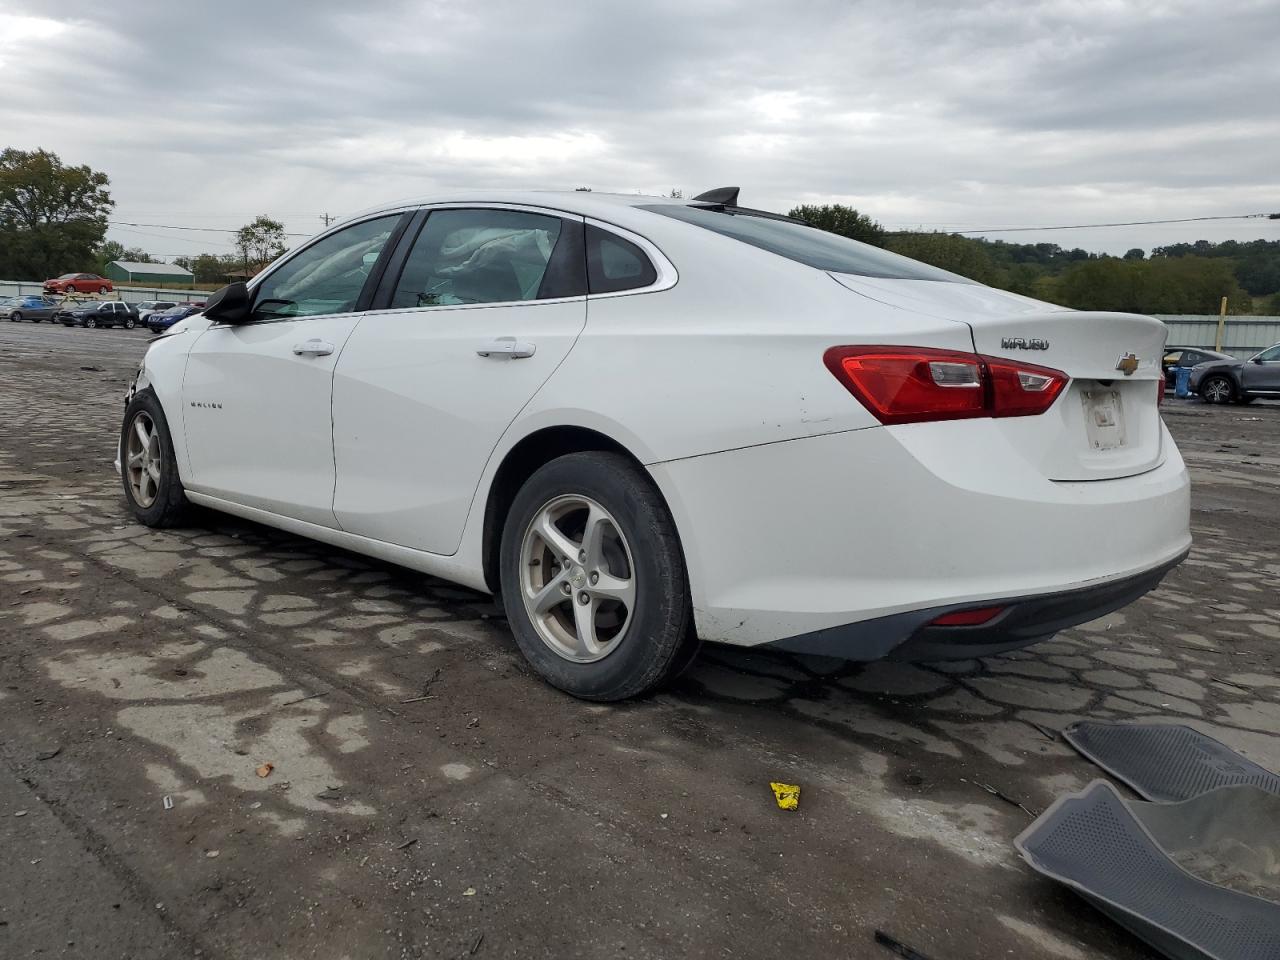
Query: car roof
x,y
619,208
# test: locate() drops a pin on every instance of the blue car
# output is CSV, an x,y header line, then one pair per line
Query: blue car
x,y
159,322
30,307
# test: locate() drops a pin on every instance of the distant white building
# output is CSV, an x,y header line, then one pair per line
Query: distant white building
x,y
126,271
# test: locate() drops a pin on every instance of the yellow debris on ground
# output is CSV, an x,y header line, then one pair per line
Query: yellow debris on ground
x,y
787,795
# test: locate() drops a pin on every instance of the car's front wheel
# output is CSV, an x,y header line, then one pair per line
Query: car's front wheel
x,y
15,317
593,578
1217,390
90,322
148,467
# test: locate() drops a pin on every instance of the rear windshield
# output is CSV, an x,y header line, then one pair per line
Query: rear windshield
x,y
805,244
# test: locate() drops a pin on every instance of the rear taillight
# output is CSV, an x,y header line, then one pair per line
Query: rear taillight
x,y
916,384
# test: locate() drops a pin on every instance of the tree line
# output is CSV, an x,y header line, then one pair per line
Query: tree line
x,y
54,219
1179,278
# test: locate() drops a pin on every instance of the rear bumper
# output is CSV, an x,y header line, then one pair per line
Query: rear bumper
x,y
1025,620
855,540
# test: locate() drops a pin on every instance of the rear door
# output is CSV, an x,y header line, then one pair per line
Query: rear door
x,y
489,301
256,396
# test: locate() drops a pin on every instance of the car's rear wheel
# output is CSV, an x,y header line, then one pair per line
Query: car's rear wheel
x,y
1217,390
129,323
104,289
148,467
593,578
15,317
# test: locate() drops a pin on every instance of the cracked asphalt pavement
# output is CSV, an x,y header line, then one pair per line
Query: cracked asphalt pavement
x,y
428,797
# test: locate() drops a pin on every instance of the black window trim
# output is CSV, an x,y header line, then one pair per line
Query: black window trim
x,y
391,277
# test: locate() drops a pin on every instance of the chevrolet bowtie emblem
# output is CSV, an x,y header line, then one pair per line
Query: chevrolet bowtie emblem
x,y
1127,364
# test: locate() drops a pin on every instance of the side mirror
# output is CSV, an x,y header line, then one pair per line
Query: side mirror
x,y
1257,359
229,305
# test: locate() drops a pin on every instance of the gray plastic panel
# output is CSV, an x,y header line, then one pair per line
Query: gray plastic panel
x,y
1166,761
1091,842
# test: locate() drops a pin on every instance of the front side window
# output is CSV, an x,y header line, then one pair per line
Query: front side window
x,y
1270,354
328,276
488,256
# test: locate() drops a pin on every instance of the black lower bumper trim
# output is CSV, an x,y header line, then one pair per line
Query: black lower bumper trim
x,y
1025,620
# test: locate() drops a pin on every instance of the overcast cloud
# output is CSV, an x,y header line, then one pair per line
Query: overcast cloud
x,y
943,114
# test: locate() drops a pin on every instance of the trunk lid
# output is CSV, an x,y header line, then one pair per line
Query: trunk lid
x,y
1106,424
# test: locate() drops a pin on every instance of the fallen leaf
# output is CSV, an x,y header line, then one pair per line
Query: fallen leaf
x,y
265,769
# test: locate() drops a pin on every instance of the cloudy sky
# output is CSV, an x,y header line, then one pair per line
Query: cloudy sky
x,y
948,115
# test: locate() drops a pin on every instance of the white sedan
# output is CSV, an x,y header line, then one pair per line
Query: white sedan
x,y
648,422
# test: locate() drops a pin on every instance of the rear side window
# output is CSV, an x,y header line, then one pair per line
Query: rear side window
x,y
491,256
804,244
615,264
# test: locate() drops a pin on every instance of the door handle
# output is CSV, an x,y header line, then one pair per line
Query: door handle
x,y
313,348
508,348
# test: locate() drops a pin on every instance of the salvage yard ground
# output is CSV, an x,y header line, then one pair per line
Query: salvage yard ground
x,y
429,797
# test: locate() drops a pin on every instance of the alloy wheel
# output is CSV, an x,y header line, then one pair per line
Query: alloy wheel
x,y
1217,390
577,578
143,460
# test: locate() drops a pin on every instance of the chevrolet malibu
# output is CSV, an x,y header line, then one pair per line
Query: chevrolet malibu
x,y
645,422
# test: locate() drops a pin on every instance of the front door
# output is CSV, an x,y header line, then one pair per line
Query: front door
x,y
256,395
489,302
1262,373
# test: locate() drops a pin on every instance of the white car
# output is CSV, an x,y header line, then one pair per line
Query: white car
x,y
646,422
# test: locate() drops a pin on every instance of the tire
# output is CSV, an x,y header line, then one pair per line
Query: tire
x,y
168,505
1218,390
130,323
637,552
71,289
90,322
104,289
15,317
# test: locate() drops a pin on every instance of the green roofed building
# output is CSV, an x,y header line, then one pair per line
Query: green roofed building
x,y
142,274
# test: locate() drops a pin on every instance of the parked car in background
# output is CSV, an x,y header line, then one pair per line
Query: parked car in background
x,y
164,319
100,313
1241,381
148,307
79,283
31,307
1175,357
643,421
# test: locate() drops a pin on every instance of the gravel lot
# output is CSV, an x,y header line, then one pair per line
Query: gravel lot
x,y
494,817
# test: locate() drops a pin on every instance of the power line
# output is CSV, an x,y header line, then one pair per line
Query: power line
x,y
171,226
1130,223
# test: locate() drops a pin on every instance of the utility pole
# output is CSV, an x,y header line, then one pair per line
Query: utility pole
x,y
327,219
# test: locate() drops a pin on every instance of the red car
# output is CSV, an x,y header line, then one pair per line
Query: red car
x,y
79,283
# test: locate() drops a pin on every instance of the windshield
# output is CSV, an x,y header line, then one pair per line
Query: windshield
x,y
69,276
804,244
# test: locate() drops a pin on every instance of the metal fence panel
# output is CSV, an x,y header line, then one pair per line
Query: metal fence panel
x,y
130,294
1241,336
